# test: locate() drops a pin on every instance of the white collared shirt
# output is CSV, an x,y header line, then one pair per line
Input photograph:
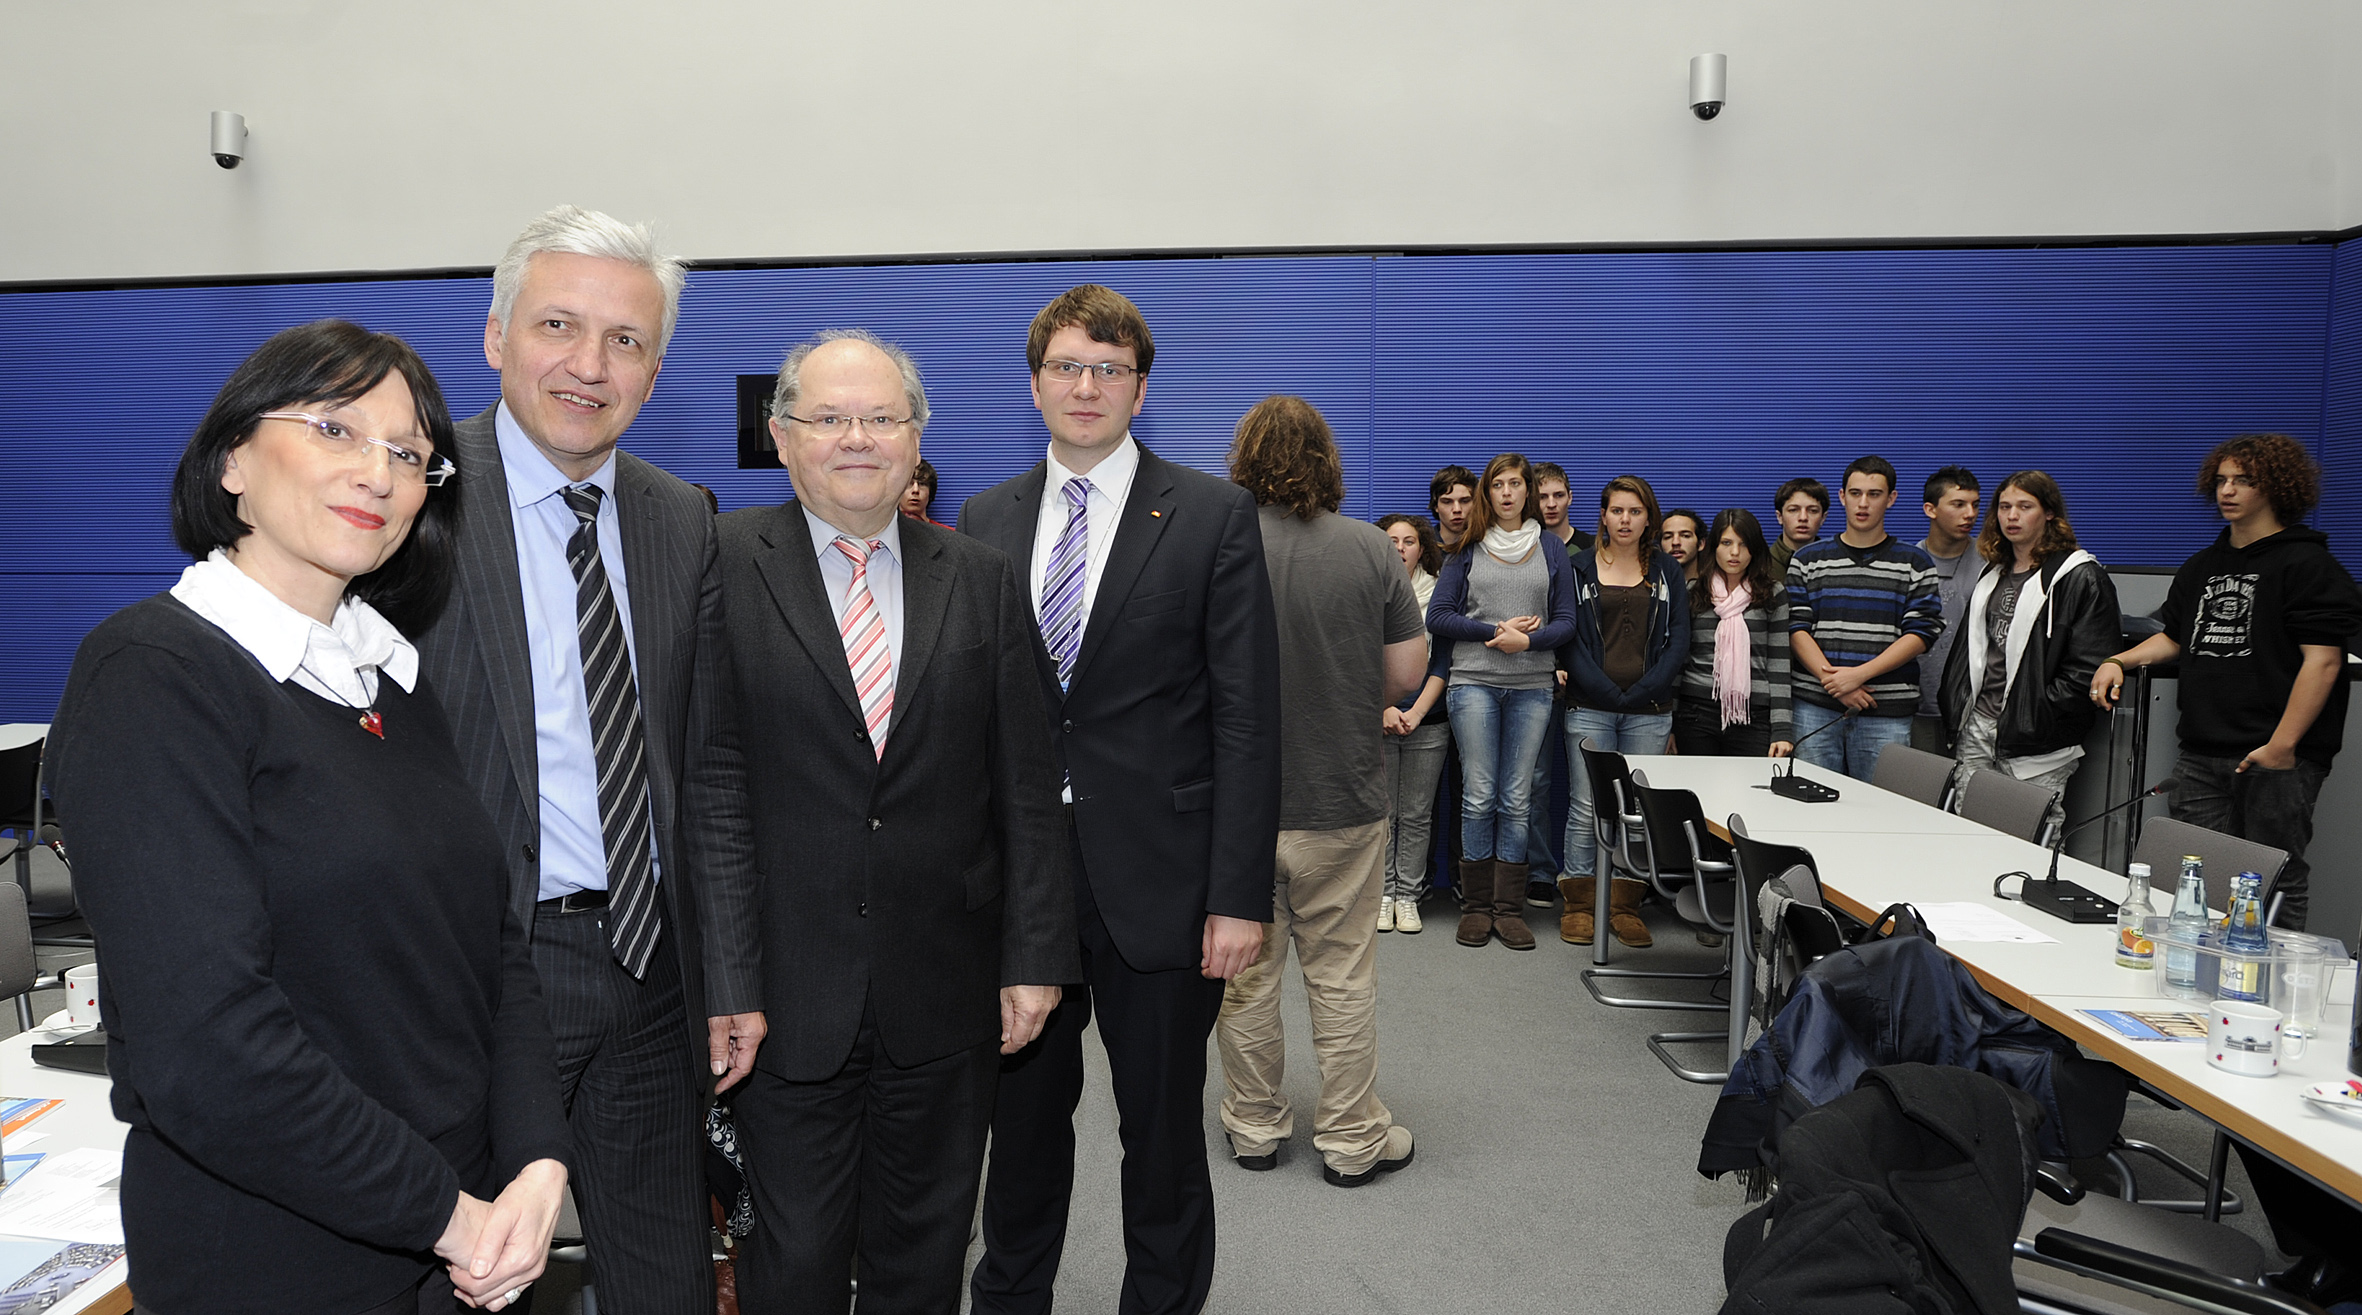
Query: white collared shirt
x,y
339,662
1111,486
885,583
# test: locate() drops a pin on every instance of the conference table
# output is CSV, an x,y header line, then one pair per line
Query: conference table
x,y
84,1120
1873,849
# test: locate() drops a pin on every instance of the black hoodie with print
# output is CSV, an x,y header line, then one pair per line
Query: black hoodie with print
x,y
2241,616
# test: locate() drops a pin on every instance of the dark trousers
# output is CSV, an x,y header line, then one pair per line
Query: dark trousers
x,y
887,1154
635,1098
1699,733
1154,1026
2268,807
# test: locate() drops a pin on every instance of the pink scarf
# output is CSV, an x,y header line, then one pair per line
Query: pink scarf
x,y
1734,668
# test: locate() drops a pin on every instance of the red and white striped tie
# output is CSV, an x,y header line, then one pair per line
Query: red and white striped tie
x,y
864,633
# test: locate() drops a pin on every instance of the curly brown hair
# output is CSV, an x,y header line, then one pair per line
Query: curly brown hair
x,y
2058,537
1430,547
1285,455
2279,465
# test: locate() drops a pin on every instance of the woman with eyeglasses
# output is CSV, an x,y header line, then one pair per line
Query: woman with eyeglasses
x,y
1500,608
1630,637
322,1018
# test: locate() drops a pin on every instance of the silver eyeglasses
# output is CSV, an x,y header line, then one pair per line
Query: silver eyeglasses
x,y
833,426
1106,372
407,463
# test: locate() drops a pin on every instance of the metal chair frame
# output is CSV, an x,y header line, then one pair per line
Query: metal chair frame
x,y
1693,879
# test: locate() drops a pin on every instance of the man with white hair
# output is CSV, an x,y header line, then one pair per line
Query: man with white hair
x,y
581,662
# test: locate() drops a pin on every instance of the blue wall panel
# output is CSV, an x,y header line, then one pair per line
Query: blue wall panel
x,y
2341,445
1714,374
1717,375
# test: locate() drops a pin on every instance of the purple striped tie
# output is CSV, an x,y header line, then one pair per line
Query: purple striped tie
x,y
1062,586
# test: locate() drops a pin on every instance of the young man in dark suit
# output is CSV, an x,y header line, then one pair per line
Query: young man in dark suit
x,y
580,661
1160,669
917,908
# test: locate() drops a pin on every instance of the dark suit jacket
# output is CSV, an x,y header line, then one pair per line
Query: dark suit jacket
x,y
1169,731
475,658
922,882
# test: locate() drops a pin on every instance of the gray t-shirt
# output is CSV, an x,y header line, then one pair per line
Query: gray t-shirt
x,y
1342,597
2000,609
1958,576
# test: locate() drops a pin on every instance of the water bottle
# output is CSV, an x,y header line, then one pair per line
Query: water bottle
x,y
2134,949
2243,934
2187,922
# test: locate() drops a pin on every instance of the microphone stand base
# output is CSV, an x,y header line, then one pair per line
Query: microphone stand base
x,y
2068,902
1788,785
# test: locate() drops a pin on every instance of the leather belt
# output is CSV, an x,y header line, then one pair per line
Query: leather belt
x,y
573,901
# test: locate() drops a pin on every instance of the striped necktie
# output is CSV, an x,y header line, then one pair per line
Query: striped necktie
x,y
617,741
866,651
1063,584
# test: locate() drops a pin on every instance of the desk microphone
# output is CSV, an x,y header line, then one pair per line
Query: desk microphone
x,y
2064,899
56,840
1788,785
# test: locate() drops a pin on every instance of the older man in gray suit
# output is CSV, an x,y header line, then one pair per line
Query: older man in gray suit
x,y
581,660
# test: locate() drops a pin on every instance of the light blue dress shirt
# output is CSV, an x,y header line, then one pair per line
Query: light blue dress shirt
x,y
573,845
885,589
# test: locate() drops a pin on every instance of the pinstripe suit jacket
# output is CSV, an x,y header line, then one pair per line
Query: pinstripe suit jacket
x,y
476,662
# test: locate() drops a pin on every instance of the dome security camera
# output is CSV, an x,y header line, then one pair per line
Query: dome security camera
x,y
1708,79
229,138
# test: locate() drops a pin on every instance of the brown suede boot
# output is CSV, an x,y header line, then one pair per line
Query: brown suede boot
x,y
1577,924
1623,913
1476,902
1509,906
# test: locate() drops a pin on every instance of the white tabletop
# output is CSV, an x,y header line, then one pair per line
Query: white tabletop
x,y
1737,785
85,1119
18,733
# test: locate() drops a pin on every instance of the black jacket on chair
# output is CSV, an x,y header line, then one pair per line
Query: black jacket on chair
x,y
2048,706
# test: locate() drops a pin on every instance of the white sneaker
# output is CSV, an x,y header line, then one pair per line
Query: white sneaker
x,y
1406,916
1385,914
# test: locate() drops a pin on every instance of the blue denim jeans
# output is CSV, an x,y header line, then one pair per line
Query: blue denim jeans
x,y
1852,750
1545,819
1624,732
1500,733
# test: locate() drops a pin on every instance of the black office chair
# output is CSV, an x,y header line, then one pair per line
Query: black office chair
x,y
1811,933
1914,774
28,810
1691,866
20,810
1617,833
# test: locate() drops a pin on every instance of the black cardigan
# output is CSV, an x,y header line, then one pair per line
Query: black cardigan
x,y
322,1023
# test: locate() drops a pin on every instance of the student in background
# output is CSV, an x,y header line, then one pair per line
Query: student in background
x,y
918,500
1450,497
1552,500
1504,602
2040,620
1735,700
1951,507
1862,609
1801,504
1418,736
2260,618
1631,636
1683,538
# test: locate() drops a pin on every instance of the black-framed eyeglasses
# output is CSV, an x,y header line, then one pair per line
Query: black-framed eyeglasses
x,y
1106,372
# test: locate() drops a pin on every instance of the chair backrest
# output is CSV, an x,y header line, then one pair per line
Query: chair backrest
x,y
1611,783
2005,803
18,969
1913,774
1672,817
20,783
2164,841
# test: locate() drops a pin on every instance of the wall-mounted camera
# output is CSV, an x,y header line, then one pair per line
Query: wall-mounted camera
x,y
1709,78
229,138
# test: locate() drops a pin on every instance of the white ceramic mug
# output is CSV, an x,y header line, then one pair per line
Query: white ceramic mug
x,y
82,995
2243,1038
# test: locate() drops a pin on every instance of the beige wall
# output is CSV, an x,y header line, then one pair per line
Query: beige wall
x,y
422,135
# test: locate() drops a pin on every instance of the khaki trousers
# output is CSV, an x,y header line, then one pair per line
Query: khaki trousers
x,y
1324,901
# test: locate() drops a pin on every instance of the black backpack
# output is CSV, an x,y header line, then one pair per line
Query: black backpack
x,y
1903,1196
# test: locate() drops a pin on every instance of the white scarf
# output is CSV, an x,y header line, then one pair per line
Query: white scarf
x,y
1513,546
